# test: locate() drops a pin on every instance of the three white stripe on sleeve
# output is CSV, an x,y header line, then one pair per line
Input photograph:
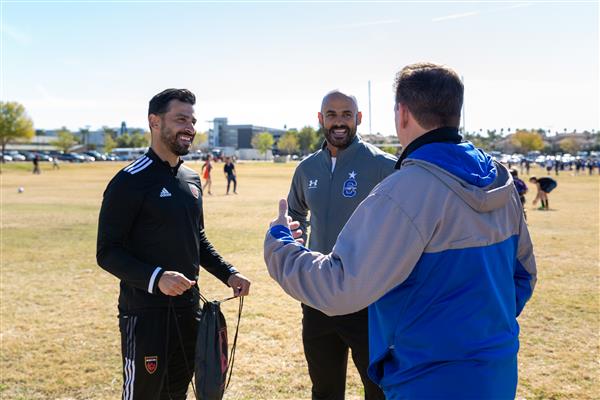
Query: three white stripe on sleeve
x,y
138,165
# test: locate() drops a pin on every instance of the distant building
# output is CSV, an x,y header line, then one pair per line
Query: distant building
x,y
94,139
37,143
237,136
123,129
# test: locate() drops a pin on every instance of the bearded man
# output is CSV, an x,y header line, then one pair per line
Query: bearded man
x,y
151,236
331,183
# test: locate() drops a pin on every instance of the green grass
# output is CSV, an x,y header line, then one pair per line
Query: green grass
x,y
59,331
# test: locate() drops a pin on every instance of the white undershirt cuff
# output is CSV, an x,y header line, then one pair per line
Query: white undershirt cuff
x,y
152,278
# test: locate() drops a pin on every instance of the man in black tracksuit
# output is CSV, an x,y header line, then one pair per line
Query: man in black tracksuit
x,y
330,184
151,236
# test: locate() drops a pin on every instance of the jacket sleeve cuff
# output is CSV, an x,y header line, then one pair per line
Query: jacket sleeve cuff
x,y
224,272
281,233
154,278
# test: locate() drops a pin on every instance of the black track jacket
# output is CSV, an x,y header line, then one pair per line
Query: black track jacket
x,y
151,221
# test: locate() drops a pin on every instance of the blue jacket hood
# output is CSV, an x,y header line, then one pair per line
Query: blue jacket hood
x,y
469,172
463,160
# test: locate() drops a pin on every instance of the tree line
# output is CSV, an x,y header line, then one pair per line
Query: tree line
x,y
16,125
526,140
303,141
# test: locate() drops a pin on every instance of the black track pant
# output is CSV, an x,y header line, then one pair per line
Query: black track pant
x,y
326,341
233,179
154,362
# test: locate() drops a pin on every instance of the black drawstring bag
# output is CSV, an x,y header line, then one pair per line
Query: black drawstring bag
x,y
211,361
211,353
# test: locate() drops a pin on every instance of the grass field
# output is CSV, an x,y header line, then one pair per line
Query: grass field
x,y
59,331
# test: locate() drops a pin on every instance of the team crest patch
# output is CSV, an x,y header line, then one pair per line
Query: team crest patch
x,y
151,364
194,189
350,185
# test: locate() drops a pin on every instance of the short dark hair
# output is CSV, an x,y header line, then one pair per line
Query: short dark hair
x,y
533,179
160,102
433,93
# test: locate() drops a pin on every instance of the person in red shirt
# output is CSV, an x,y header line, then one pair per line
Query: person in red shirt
x,y
206,170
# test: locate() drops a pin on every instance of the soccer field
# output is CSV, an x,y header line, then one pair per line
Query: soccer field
x,y
59,327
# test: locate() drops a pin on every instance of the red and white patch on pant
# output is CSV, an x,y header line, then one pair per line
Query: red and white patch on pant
x,y
151,364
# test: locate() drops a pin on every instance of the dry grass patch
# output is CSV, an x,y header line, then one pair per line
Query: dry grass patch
x,y
59,329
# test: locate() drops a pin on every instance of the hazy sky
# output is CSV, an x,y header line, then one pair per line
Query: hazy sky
x,y
77,63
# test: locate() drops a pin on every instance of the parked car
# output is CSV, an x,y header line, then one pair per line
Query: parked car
x,y
516,158
96,155
119,157
496,155
16,156
43,157
71,157
6,157
86,157
194,155
567,158
29,155
540,160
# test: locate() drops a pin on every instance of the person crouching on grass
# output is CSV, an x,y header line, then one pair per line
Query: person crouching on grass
x,y
544,186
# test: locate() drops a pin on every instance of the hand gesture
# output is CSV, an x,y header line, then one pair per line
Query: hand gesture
x,y
284,219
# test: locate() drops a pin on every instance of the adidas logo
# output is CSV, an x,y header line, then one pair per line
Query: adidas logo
x,y
165,193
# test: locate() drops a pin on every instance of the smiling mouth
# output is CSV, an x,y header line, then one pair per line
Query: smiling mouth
x,y
185,138
339,133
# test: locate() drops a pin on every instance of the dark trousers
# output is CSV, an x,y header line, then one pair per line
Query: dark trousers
x,y
154,361
326,342
229,180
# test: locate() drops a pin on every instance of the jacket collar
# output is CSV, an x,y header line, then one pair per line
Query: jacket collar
x,y
164,164
444,134
343,154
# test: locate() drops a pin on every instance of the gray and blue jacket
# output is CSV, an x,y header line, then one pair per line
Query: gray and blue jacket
x,y
332,197
441,253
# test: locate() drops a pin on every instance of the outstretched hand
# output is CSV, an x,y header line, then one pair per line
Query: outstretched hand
x,y
284,219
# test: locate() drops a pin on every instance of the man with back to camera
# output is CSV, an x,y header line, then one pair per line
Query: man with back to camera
x,y
440,249
331,183
151,236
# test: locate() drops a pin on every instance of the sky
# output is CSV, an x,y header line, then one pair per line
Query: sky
x,y
96,63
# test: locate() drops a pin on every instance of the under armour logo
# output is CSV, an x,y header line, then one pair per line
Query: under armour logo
x,y
165,193
312,184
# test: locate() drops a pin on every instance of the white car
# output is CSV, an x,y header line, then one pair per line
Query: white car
x,y
567,158
16,156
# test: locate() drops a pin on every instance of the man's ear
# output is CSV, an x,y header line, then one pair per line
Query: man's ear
x,y
358,118
154,121
320,118
405,115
